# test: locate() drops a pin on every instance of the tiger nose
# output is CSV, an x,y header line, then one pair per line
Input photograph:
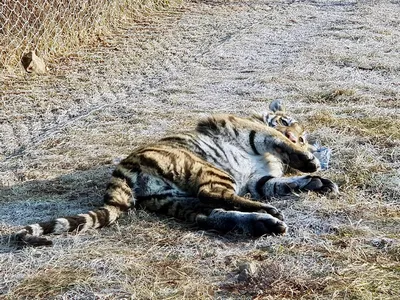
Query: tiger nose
x,y
291,136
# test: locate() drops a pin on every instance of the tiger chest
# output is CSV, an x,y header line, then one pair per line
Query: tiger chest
x,y
239,164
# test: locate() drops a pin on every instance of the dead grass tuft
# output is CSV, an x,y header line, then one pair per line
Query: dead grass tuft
x,y
333,97
394,253
391,103
365,281
276,280
166,278
381,130
49,283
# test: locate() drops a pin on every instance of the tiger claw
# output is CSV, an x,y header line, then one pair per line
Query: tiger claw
x,y
273,211
321,185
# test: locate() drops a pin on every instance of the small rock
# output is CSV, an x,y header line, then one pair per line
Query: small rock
x,y
246,270
33,63
382,243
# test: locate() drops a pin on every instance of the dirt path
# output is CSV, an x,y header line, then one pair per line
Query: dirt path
x,y
60,135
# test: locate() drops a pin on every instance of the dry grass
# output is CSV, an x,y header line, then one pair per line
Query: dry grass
x,y
58,29
49,283
379,129
61,134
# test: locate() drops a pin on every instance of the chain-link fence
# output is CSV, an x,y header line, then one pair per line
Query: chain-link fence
x,y
51,27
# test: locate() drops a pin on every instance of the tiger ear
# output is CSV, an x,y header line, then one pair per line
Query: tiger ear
x,y
277,105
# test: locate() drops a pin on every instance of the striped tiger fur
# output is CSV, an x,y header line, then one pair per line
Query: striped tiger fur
x,y
202,176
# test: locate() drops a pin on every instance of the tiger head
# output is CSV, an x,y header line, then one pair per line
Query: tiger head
x,y
278,118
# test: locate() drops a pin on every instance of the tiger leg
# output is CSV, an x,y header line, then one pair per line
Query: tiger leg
x,y
192,210
159,195
224,197
268,186
181,207
295,156
156,194
252,223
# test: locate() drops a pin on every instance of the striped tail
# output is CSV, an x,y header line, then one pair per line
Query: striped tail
x,y
117,200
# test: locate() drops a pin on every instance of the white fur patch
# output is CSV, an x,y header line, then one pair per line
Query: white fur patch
x,y
95,223
62,225
88,224
113,213
37,230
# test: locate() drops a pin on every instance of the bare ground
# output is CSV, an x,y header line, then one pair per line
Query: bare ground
x,y
336,64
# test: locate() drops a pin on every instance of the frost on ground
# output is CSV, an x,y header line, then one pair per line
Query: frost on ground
x,y
336,64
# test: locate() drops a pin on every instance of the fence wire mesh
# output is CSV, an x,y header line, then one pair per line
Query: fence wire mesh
x,y
52,26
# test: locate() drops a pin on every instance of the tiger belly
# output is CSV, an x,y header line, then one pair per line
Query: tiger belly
x,y
243,167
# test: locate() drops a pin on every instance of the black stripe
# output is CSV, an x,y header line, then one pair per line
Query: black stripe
x,y
260,185
119,174
227,185
174,139
152,163
93,216
131,166
29,229
215,147
199,173
107,198
211,147
103,216
154,196
187,169
199,151
75,222
222,150
48,227
207,126
223,177
251,140
235,131
235,158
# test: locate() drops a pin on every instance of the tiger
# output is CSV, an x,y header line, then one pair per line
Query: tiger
x,y
204,177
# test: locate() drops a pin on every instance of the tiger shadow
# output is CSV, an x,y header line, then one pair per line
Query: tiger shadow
x,y
38,200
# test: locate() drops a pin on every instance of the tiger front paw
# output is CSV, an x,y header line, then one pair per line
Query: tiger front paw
x,y
298,159
304,162
286,186
320,185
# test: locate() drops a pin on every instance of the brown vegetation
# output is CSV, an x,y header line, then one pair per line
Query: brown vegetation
x,y
58,28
